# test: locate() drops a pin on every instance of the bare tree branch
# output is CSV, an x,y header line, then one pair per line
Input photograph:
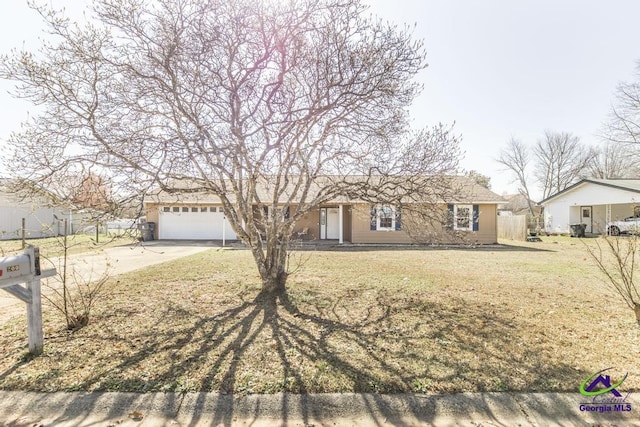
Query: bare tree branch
x,y
560,160
516,158
614,160
273,104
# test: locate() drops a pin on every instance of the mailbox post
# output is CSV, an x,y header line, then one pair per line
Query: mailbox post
x,y
25,268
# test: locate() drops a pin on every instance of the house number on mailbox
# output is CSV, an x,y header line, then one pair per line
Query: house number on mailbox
x,y
13,268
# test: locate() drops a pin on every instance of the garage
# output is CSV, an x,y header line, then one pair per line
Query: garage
x,y
193,223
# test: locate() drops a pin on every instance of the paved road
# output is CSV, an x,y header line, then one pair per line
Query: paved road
x,y
121,259
210,409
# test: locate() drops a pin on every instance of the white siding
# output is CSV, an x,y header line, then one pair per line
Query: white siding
x,y
556,217
40,221
564,210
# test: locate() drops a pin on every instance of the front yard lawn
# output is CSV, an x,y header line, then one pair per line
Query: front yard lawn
x,y
76,243
523,317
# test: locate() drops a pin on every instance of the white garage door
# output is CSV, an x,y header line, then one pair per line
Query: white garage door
x,y
193,223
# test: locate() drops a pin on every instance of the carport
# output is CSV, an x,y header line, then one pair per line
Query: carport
x,y
594,202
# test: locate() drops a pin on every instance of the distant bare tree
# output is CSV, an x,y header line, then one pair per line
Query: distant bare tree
x,y
560,161
93,193
516,158
613,160
624,126
479,178
622,131
265,104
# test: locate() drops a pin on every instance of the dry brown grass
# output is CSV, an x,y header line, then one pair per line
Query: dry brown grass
x,y
523,317
77,243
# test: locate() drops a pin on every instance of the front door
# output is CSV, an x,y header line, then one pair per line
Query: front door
x,y
329,223
585,217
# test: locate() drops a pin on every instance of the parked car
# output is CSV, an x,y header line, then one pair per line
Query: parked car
x,y
629,225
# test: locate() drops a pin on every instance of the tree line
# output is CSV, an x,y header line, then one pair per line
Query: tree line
x,y
558,160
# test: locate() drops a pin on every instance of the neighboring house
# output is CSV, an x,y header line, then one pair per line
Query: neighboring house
x,y
473,214
39,214
593,202
516,204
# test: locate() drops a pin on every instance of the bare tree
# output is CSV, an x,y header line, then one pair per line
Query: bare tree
x,y
479,178
277,104
72,293
560,161
613,160
624,125
622,131
618,262
516,158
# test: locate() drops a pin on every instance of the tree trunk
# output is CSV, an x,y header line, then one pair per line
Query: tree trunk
x,y
636,310
273,266
275,281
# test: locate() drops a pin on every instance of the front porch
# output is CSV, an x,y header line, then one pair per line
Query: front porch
x,y
329,224
596,217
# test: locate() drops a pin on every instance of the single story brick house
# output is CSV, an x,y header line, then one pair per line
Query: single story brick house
x,y
197,216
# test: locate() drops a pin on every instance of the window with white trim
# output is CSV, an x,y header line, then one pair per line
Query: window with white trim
x,y
463,217
385,218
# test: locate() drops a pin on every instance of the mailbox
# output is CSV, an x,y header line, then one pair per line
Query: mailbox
x,y
25,268
17,266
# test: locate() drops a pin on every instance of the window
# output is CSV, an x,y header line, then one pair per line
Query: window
x,y
385,218
212,209
203,209
462,217
176,209
166,209
185,209
194,209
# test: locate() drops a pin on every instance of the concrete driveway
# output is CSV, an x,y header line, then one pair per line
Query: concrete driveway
x,y
121,259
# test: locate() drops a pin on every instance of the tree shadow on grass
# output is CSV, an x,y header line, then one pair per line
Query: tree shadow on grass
x,y
334,247
301,344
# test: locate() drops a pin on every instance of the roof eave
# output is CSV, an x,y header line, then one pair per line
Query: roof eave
x,y
584,181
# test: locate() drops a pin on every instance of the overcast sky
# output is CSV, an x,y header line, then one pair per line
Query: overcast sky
x,y
497,68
